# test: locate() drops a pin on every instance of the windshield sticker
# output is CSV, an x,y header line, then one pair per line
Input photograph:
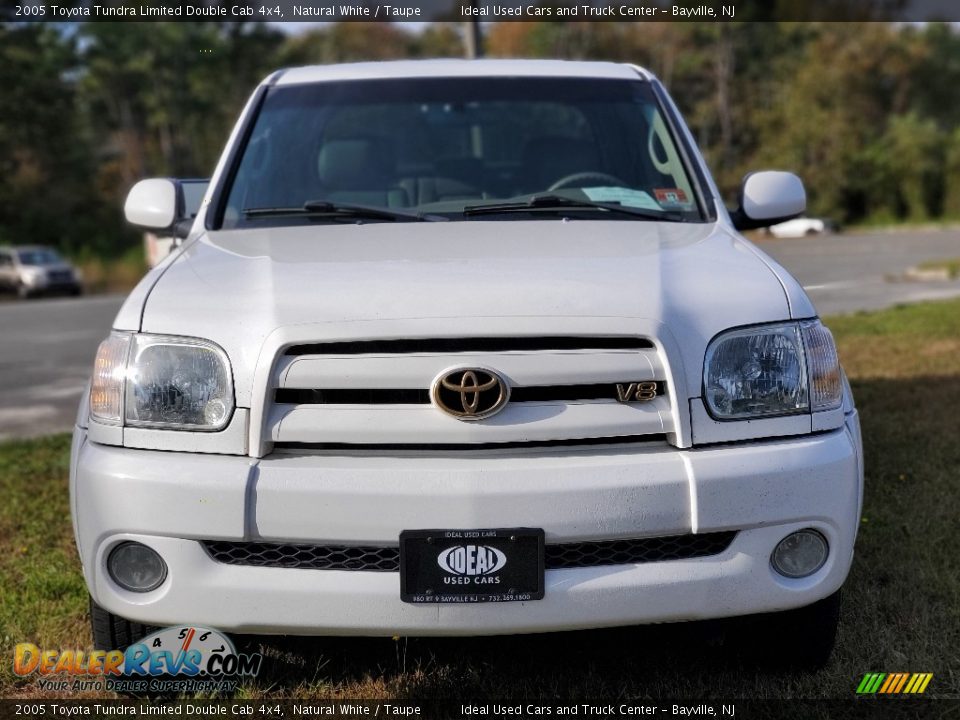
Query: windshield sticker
x,y
625,196
671,197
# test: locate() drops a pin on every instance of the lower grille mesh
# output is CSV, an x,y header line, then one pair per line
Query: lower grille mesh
x,y
316,557
627,552
387,559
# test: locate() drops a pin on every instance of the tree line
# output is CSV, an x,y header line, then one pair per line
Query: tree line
x,y
866,113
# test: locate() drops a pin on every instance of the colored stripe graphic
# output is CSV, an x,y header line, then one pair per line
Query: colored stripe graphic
x,y
903,680
894,683
912,683
870,683
920,683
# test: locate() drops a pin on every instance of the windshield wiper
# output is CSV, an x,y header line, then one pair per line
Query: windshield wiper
x,y
326,208
559,202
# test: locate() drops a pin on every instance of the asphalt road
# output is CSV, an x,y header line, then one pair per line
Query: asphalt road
x,y
46,354
47,346
850,272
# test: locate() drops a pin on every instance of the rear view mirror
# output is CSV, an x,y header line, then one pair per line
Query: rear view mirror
x,y
165,204
767,198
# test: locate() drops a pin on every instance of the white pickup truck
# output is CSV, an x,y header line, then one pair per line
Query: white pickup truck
x,y
463,348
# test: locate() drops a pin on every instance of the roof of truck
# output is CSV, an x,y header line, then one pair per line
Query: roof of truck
x,y
457,68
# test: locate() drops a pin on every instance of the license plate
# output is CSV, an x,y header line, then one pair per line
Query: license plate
x,y
468,566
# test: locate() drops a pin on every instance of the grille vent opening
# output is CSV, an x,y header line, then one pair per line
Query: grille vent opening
x,y
406,346
469,447
421,396
387,559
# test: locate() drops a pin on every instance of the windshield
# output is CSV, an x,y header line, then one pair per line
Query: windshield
x,y
38,257
445,145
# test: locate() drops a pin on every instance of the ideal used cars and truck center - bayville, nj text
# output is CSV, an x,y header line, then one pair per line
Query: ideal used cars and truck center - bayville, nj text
x,y
466,348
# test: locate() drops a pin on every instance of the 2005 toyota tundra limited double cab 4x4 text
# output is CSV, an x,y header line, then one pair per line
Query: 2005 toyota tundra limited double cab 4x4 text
x,y
463,348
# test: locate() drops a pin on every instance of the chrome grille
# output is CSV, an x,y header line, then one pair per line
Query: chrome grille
x,y
377,393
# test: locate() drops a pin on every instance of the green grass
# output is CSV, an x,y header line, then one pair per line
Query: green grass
x,y
901,606
42,595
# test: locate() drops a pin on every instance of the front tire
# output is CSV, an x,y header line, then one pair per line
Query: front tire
x,y
112,632
803,638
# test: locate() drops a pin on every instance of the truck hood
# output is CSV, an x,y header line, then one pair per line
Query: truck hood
x,y
686,281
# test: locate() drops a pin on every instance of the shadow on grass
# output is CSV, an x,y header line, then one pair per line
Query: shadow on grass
x,y
597,663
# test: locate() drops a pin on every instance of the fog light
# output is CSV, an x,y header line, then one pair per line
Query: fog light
x,y
800,554
136,567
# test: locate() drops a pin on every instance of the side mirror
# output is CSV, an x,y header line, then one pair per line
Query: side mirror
x,y
767,198
164,204
152,204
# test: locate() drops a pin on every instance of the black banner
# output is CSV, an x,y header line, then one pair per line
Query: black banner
x,y
480,10
287,709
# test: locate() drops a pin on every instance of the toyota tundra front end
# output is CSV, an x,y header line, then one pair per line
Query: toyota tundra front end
x,y
463,348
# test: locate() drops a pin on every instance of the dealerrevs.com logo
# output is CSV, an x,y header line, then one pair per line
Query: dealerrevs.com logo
x,y
476,563
184,659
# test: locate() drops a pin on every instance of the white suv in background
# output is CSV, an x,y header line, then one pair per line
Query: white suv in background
x,y
32,270
462,348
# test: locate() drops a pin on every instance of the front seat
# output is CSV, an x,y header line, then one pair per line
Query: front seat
x,y
360,171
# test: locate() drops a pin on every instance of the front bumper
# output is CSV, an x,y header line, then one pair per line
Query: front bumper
x,y
169,501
